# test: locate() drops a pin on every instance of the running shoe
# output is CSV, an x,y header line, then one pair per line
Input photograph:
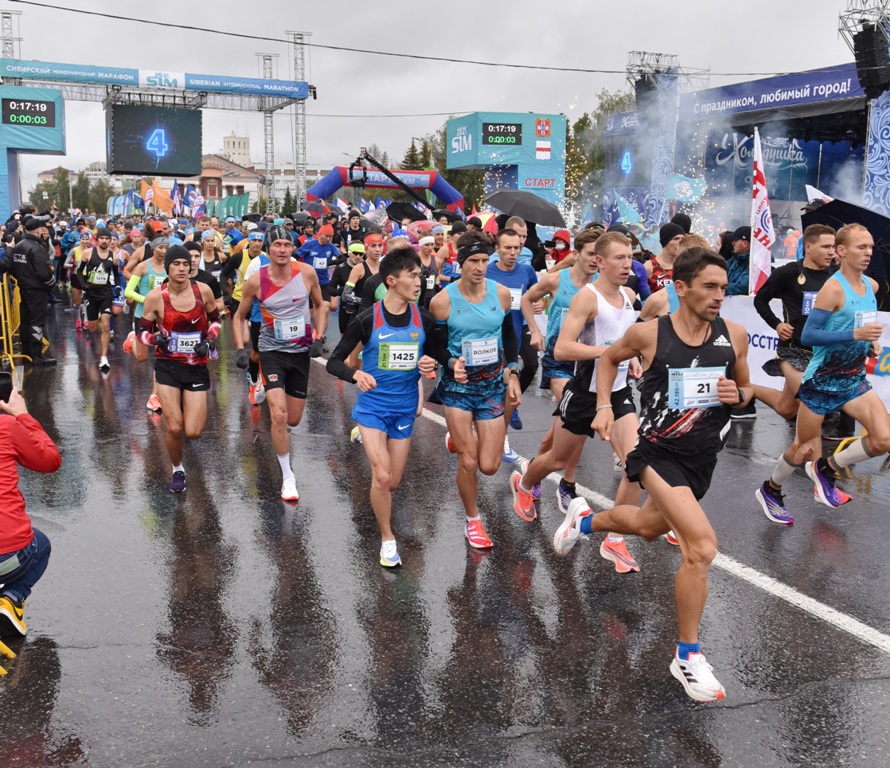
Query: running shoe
x,y
510,456
104,365
616,462
564,496
824,490
515,420
78,325
177,482
697,677
476,535
567,534
748,412
251,394
12,617
772,503
449,443
153,404
523,502
389,555
259,392
672,538
536,488
616,551
289,490
355,436
128,342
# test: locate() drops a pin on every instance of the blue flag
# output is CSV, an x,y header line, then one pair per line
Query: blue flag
x,y
685,190
381,203
363,205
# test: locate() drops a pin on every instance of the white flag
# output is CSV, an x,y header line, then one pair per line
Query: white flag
x,y
762,234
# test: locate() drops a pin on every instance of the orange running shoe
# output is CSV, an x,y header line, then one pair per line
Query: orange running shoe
x,y
616,551
449,443
154,404
251,395
523,501
476,535
128,342
672,538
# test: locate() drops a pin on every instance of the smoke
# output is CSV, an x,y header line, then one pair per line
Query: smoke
x,y
846,183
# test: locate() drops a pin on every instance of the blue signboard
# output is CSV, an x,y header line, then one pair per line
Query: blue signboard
x,y
532,146
32,120
83,73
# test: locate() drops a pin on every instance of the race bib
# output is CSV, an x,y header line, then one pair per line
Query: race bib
x,y
398,355
430,282
216,273
321,263
153,282
288,330
516,298
184,343
480,351
809,298
693,388
864,318
99,277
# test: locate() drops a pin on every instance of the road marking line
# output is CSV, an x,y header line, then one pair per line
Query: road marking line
x,y
768,584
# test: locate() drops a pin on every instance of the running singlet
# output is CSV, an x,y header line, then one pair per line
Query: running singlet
x,y
391,356
518,280
841,367
559,308
474,332
239,275
99,274
285,310
679,408
673,299
185,329
147,283
607,327
214,267
660,276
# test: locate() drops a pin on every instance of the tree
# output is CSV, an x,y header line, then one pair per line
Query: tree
x,y
289,206
412,160
468,181
55,191
81,192
100,191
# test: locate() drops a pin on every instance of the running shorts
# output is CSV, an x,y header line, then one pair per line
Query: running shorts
x,y
286,370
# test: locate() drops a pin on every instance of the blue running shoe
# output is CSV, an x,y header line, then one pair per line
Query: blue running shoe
x,y
177,482
510,456
824,489
773,504
564,497
515,421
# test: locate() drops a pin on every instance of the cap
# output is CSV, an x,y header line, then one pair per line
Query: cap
x,y
458,226
288,221
65,224
373,239
398,233
100,232
251,226
277,232
742,233
207,234
356,247
475,221
177,252
192,246
85,235
426,240
255,235
230,218
668,232
354,214
438,230
326,229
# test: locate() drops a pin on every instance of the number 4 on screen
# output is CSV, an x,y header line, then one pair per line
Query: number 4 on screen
x,y
157,143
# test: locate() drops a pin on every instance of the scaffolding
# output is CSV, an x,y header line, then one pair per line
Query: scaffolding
x,y
300,150
269,136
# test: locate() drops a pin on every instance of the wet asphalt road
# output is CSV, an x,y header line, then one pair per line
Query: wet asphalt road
x,y
225,628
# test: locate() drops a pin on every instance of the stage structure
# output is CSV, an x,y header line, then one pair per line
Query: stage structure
x,y
116,85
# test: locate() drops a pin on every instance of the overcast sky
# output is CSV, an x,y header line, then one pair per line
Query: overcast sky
x,y
752,36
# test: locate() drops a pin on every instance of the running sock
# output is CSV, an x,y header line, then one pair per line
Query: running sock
x,y
784,469
522,485
471,519
286,472
178,468
586,522
615,538
253,372
826,470
854,452
684,649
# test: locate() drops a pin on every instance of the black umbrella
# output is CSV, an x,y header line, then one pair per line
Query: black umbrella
x,y
300,218
527,205
450,215
315,208
398,211
837,213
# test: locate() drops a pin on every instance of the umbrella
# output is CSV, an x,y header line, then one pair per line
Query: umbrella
x,y
317,208
489,222
416,227
450,215
518,202
300,218
837,213
398,211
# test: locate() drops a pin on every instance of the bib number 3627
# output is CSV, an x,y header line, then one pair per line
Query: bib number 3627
x,y
694,388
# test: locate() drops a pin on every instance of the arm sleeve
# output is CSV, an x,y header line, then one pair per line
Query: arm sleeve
x,y
511,343
643,289
771,288
440,331
813,335
131,293
430,347
358,331
34,449
229,267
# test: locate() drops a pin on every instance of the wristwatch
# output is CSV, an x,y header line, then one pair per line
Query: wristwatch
x,y
741,396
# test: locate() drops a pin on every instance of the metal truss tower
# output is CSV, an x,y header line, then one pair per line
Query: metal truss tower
x,y
300,152
861,14
269,136
9,37
645,65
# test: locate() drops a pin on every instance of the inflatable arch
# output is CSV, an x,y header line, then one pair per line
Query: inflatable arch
x,y
431,180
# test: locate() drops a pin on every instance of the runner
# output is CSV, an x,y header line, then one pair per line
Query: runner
x,y
99,274
320,253
695,370
75,256
843,329
660,267
147,276
429,269
181,321
256,394
398,346
284,289
212,257
796,284
354,257
474,335
354,299
598,316
517,278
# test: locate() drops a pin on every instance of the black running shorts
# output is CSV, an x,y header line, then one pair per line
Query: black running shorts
x,y
693,472
578,409
189,378
286,370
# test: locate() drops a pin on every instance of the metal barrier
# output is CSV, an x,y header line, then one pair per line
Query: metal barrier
x,y
10,320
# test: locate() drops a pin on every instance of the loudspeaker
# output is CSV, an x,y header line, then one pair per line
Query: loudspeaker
x,y
646,94
872,60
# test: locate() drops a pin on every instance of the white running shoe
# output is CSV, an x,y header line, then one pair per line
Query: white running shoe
x,y
289,490
697,678
355,436
259,394
389,555
567,534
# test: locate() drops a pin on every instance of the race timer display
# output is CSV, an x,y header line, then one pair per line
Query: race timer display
x,y
153,140
502,133
40,114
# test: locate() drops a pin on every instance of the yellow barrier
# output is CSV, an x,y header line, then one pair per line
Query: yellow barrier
x,y
10,320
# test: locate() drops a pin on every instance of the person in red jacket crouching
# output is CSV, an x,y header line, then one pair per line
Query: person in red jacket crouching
x,y
24,551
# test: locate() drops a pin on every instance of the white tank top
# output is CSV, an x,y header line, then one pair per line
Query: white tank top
x,y
609,325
